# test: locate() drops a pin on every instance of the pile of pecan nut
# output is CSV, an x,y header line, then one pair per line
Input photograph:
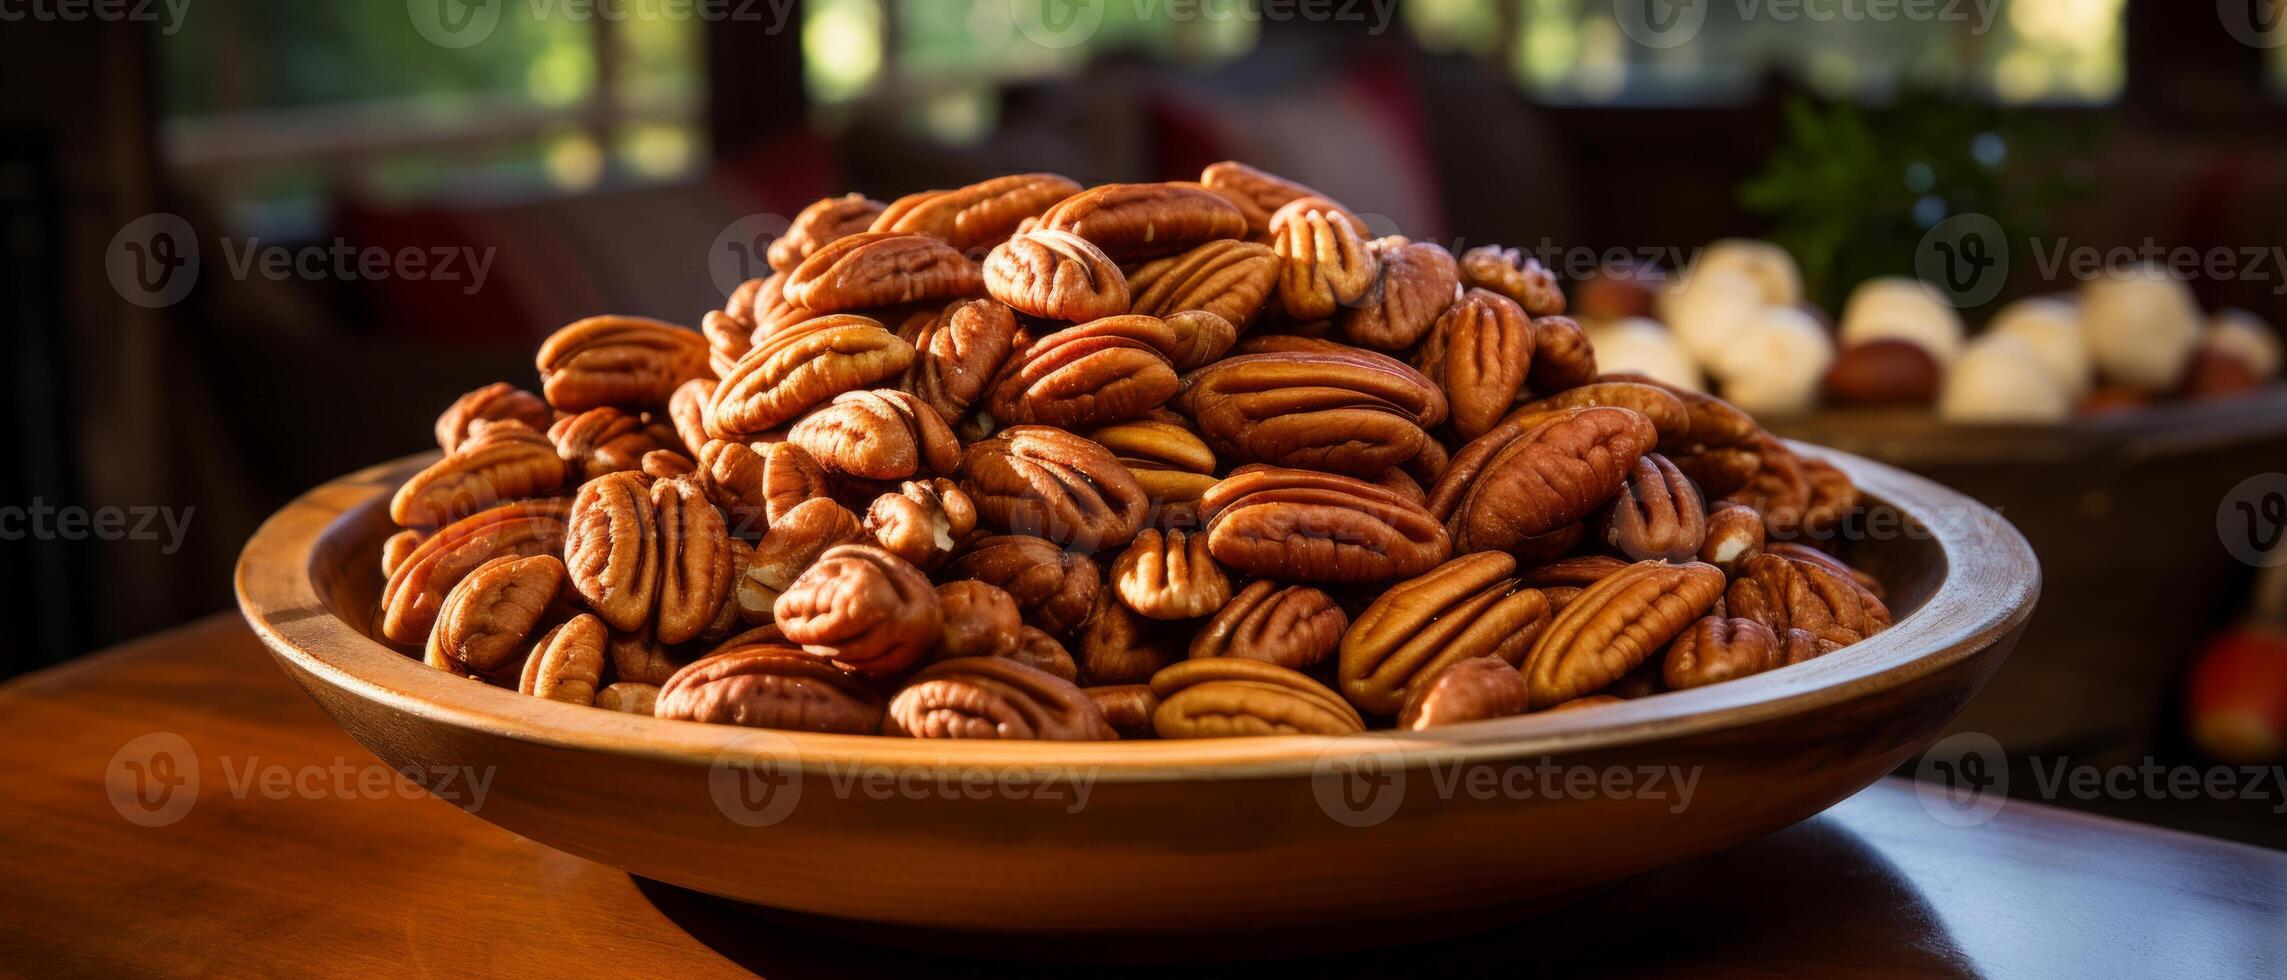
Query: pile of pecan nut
x,y
1030,460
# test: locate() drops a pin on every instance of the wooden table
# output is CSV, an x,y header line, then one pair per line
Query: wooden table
x,y
299,855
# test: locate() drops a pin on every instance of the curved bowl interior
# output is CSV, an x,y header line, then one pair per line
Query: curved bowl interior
x,y
1413,833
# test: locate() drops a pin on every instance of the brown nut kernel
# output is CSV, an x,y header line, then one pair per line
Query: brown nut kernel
x,y
1127,706
923,522
1119,647
1233,696
1296,525
1468,608
1141,221
1615,625
398,547
994,697
757,486
1562,356
613,550
803,366
627,361
1200,338
1664,410
960,349
1579,571
1041,651
978,215
1108,370
1296,627
1035,480
1056,275
694,559
568,663
1514,274
503,462
1657,514
980,620
822,223
1734,535
1257,192
1789,593
791,546
1300,208
1531,477
884,434
1469,690
687,410
1324,265
1833,498
1170,576
630,697
771,686
1353,412
1479,353
1779,489
1156,444
1418,284
496,402
606,440
871,269
1229,278
640,657
483,622
864,607
1716,649
410,600
1055,589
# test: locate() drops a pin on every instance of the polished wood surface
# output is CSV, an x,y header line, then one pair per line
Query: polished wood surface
x,y
1254,844
340,885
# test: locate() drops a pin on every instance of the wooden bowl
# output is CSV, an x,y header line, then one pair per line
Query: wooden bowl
x,y
1239,843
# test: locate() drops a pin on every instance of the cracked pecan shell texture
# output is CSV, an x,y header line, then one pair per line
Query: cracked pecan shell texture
x,y
1108,370
994,697
1470,607
1470,690
419,583
1612,627
1052,484
822,223
867,609
1229,278
1219,697
758,485
1055,589
1056,275
1479,353
1418,283
1259,193
567,663
979,215
959,349
496,402
1508,487
1303,526
771,686
801,367
627,361
872,269
694,559
882,434
1514,274
923,522
1142,221
1324,265
1657,513
505,461
1170,575
1716,649
485,619
1295,626
612,550
1352,412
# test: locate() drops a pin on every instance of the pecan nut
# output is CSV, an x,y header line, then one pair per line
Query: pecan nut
x,y
505,461
1259,193
757,486
1233,696
496,402
960,348
694,559
994,697
822,223
1056,275
1667,413
1141,221
1791,593
1562,356
641,658
1229,278
1041,651
630,697
607,440
1352,412
1296,627
484,621
1162,443
1200,338
612,550
687,411
1050,483
803,366
975,217
980,620
1514,274
1716,649
1170,576
1468,608
1109,370
1479,353
567,664
627,361
1657,514
1119,647
1127,706
883,434
772,686
1778,489
1055,589
923,522
1419,282
1532,477
1734,536
792,545
1469,690
1297,525
422,579
1324,265
871,269
864,607
1614,626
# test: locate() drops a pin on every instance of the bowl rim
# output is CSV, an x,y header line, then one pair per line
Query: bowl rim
x,y
1990,583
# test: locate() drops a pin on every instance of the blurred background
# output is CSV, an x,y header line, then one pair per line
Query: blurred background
x,y
255,244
